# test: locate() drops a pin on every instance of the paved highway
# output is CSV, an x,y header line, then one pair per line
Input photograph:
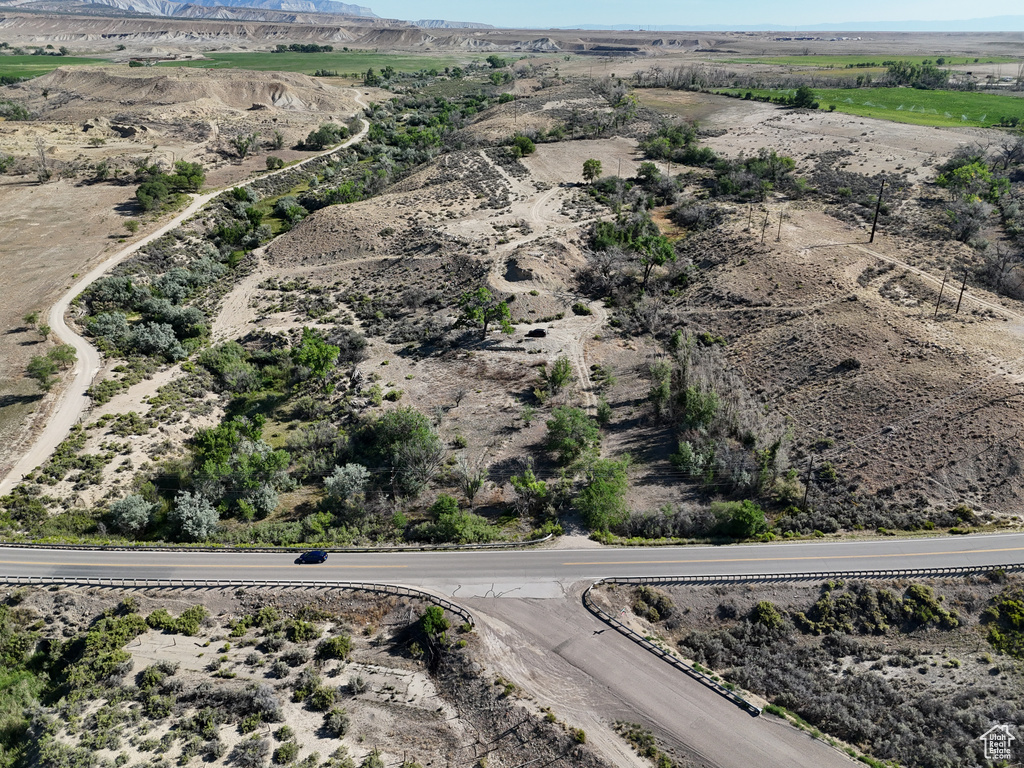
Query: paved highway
x,y
524,573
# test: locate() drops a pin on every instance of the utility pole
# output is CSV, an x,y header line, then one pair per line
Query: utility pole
x,y
878,207
941,289
963,285
807,483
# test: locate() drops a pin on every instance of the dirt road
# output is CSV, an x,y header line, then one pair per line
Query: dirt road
x,y
74,400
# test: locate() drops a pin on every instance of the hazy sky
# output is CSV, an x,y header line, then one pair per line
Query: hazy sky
x,y
557,13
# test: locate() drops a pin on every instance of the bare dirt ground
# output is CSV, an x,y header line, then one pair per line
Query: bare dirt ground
x,y
407,706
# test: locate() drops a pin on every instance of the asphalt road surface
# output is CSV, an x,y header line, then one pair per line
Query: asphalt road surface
x,y
523,573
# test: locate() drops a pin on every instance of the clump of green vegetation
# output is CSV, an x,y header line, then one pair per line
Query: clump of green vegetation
x,y
643,741
652,604
1005,619
863,609
187,623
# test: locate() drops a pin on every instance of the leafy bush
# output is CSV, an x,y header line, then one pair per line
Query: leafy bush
x,y
188,623
652,604
453,525
1005,618
602,500
571,433
739,519
337,647
286,753
337,722
522,146
433,621
404,442
321,698
251,752
347,482
193,517
324,136
131,515
300,631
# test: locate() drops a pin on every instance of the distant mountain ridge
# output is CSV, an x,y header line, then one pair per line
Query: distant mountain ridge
x,y
442,24
987,24
189,9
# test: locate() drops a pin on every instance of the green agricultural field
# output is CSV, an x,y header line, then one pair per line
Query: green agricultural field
x,y
909,105
33,66
343,62
842,62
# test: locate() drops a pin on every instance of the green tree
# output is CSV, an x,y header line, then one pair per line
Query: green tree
x,y
132,226
433,621
152,194
591,170
403,441
63,355
648,172
481,308
558,376
244,143
531,493
325,136
42,369
739,519
973,181
522,145
654,251
187,177
602,501
314,353
571,433
804,98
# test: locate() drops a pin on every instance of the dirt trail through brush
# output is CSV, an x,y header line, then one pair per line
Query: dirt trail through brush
x,y
574,332
74,399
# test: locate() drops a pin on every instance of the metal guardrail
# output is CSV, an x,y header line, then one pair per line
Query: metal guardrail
x,y
707,680
353,586
271,550
898,573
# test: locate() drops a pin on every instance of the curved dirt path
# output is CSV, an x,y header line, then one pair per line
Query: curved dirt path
x,y
73,400
541,212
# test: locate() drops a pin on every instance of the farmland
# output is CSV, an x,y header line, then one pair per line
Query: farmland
x,y
908,105
344,62
34,66
829,61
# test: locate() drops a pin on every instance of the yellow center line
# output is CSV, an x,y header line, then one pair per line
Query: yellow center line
x,y
789,559
320,567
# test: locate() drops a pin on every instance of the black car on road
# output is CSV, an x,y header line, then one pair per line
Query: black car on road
x,y
313,556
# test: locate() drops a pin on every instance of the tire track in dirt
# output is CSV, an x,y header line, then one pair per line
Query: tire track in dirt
x,y
575,333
